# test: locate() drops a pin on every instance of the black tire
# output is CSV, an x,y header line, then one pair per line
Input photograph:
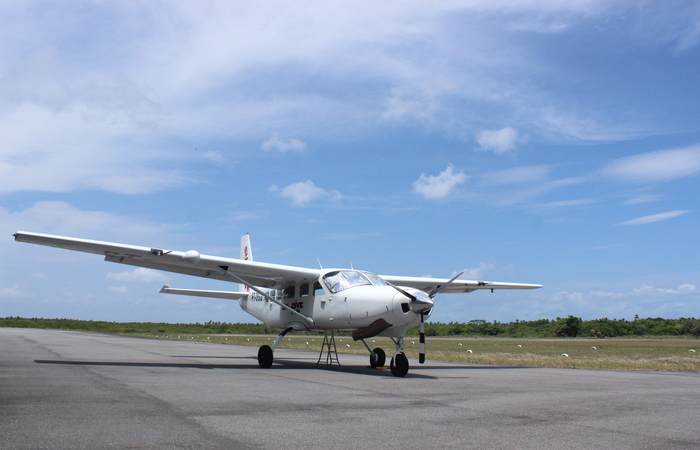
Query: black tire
x,y
399,365
377,358
265,357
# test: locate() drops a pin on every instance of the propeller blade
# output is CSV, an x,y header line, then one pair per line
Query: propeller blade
x,y
421,346
439,289
410,296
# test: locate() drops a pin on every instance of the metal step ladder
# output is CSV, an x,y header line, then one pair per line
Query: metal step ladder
x,y
329,348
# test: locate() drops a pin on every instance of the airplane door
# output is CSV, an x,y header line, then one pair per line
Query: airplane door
x,y
339,311
330,310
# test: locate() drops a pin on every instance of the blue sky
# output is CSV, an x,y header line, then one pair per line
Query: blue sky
x,y
541,142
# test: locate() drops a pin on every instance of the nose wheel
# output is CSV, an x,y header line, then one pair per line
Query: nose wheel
x,y
399,365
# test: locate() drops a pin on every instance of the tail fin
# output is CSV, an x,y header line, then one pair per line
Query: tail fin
x,y
246,255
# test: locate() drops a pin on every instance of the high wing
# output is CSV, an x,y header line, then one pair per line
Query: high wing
x,y
456,286
220,268
188,263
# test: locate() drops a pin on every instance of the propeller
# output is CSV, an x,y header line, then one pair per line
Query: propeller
x,y
439,289
422,306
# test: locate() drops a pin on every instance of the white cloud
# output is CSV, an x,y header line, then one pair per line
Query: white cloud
x,y
686,288
12,291
276,143
683,289
63,151
438,187
647,198
663,165
139,275
214,157
655,218
416,103
568,203
498,141
479,272
109,120
63,219
645,300
303,193
119,290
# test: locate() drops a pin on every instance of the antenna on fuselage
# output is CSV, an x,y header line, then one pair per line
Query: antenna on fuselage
x,y
319,263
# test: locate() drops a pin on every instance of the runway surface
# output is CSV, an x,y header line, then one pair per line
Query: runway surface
x,y
65,389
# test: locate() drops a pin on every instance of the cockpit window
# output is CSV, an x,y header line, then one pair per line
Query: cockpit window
x,y
375,279
345,279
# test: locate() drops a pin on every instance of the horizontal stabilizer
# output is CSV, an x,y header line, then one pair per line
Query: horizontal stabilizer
x,y
196,293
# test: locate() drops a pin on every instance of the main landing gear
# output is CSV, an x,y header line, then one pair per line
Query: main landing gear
x,y
265,353
377,358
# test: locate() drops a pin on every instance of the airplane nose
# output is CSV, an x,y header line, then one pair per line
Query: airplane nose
x,y
422,302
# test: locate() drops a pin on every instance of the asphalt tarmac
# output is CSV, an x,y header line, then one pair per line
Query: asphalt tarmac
x,y
65,389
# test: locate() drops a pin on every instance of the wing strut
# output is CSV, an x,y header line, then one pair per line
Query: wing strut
x,y
308,320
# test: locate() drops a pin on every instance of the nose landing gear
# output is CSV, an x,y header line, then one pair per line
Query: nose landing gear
x,y
399,362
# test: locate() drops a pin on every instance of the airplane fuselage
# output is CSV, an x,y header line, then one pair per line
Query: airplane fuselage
x,y
347,307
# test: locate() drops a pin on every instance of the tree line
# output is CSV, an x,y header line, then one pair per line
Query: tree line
x,y
570,326
210,327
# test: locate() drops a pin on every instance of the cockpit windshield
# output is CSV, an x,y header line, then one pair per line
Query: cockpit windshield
x,y
344,279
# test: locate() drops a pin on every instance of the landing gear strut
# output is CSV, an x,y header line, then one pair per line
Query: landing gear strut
x,y
399,363
377,357
265,353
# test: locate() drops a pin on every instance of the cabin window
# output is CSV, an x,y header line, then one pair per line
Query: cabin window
x,y
304,290
289,291
318,289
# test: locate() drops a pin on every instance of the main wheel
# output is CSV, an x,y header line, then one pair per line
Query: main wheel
x,y
399,365
377,358
265,357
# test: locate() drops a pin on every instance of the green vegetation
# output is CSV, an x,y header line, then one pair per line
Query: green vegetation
x,y
570,326
139,328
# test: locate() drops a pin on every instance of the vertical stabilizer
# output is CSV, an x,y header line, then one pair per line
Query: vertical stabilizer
x,y
246,255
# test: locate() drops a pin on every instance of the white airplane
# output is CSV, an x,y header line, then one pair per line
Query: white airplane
x,y
295,298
